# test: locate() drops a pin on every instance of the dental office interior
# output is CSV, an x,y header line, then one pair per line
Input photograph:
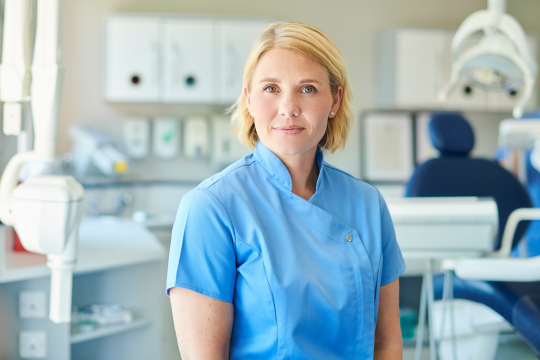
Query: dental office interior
x,y
96,155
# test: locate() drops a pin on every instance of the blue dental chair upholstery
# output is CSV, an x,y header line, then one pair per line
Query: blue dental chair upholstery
x,y
455,173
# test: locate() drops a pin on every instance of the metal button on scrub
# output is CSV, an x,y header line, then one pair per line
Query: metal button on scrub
x,y
349,238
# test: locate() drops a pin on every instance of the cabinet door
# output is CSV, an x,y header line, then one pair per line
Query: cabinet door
x,y
188,75
419,56
234,40
132,59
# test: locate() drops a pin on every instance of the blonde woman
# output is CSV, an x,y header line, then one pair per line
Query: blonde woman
x,y
281,255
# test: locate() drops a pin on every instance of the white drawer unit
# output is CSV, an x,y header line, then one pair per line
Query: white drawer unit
x,y
132,59
188,60
413,65
234,40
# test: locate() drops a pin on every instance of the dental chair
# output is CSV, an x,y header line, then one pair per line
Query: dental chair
x,y
508,286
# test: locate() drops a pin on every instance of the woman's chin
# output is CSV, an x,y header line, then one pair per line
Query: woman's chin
x,y
290,149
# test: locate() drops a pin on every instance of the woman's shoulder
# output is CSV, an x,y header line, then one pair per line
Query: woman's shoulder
x,y
346,181
223,190
227,179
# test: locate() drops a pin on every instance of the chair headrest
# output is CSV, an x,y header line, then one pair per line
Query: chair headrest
x,y
451,134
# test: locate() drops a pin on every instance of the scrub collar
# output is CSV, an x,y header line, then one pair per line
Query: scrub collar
x,y
275,167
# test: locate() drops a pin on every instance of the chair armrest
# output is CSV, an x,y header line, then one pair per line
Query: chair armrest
x,y
493,269
514,219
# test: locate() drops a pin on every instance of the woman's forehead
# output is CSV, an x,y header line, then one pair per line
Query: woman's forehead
x,y
288,65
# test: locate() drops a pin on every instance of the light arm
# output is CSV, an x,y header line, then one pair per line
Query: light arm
x,y
22,206
47,76
15,85
15,67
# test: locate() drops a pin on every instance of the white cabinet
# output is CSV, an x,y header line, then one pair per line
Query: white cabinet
x,y
234,40
176,59
417,52
132,59
413,65
188,61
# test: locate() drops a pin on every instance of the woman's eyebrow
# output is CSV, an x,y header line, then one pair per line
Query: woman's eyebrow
x,y
304,81
269,80
310,81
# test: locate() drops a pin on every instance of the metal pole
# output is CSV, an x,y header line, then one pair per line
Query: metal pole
x,y
421,321
430,300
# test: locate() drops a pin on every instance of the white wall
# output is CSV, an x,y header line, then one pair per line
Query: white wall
x,y
352,24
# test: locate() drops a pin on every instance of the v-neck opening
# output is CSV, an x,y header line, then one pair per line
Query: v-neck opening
x,y
275,167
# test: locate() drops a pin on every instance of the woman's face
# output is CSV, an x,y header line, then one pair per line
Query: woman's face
x,y
291,101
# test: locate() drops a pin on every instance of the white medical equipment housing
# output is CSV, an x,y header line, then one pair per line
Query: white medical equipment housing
x,y
49,205
462,226
47,210
500,61
44,211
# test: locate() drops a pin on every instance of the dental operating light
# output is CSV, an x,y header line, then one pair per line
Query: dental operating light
x,y
500,61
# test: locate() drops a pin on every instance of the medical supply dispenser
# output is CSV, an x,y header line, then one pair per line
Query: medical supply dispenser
x,y
196,138
137,137
166,137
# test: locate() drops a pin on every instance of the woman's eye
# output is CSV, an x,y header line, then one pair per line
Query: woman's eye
x,y
271,89
309,89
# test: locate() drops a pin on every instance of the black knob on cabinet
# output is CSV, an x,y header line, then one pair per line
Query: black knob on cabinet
x,y
190,80
468,89
135,80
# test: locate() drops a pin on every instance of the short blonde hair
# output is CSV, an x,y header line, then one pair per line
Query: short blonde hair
x,y
317,46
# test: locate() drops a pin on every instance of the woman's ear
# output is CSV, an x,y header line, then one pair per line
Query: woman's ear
x,y
337,99
247,98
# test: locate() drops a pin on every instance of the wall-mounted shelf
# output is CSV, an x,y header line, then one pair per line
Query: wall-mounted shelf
x,y
105,242
103,331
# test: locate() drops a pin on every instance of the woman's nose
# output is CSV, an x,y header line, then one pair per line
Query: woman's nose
x,y
289,107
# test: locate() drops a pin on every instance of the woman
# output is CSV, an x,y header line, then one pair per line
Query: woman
x,y
282,256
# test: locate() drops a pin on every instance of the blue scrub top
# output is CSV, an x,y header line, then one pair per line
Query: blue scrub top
x,y
303,276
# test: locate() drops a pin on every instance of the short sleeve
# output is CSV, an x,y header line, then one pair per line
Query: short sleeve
x,y
392,260
201,257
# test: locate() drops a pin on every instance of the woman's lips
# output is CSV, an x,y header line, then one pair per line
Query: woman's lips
x,y
289,130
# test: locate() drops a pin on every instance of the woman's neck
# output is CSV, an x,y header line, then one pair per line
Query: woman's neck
x,y
303,171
